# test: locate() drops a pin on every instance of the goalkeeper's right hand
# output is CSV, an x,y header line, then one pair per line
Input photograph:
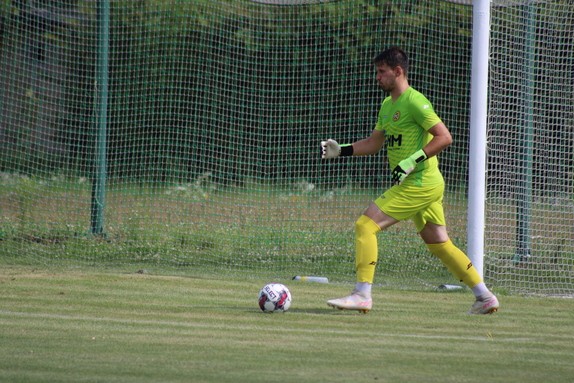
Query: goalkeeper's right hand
x,y
330,149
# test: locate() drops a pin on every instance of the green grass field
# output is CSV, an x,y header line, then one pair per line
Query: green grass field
x,y
66,325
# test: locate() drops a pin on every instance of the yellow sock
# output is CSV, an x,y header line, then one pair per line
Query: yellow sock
x,y
457,262
367,249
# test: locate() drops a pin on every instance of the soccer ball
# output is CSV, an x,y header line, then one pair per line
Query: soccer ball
x,y
274,298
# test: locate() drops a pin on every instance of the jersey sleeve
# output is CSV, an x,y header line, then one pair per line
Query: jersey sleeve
x,y
423,113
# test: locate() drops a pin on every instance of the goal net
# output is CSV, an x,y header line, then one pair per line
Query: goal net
x,y
530,219
183,136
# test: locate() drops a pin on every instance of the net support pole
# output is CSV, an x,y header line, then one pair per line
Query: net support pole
x,y
478,132
524,200
101,110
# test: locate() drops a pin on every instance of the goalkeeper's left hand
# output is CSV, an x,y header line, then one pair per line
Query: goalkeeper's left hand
x,y
406,166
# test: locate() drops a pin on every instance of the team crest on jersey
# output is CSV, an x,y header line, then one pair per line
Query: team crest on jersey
x,y
396,116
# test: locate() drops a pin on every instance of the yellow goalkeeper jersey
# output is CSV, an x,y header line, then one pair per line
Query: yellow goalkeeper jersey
x,y
406,123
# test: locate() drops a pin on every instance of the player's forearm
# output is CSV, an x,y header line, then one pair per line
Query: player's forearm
x,y
437,145
440,141
365,147
331,148
369,145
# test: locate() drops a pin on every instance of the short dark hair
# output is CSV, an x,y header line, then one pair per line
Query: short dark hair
x,y
393,57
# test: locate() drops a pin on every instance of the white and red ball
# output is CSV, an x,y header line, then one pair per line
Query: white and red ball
x,y
274,298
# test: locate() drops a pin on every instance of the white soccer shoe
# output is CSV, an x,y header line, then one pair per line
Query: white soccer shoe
x,y
359,301
485,305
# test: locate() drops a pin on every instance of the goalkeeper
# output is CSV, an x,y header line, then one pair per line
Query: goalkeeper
x,y
413,135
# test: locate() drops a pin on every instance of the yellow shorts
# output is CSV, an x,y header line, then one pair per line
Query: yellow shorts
x,y
422,204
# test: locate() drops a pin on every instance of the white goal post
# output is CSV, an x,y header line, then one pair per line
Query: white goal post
x,y
478,132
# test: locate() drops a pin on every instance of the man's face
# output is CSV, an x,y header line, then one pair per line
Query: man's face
x,y
386,77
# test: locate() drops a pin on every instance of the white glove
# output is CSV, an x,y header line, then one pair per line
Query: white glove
x,y
330,149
